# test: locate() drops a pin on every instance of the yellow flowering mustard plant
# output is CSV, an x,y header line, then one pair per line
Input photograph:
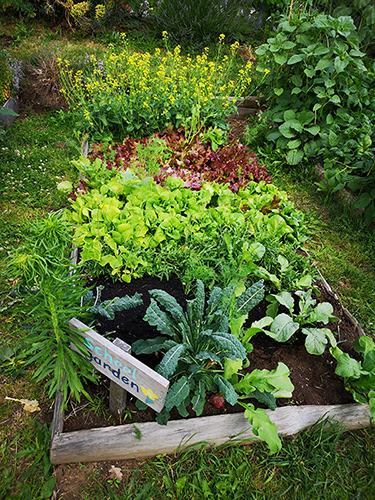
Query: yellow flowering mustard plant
x,y
138,94
99,12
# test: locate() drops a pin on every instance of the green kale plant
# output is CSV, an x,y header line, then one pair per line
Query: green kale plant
x,y
359,376
197,343
283,326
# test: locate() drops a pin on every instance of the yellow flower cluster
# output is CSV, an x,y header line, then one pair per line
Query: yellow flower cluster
x,y
78,10
99,12
151,87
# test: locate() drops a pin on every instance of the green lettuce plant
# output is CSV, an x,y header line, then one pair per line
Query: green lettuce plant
x,y
265,386
131,226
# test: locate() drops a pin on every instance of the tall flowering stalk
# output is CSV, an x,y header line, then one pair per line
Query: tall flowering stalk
x,y
137,94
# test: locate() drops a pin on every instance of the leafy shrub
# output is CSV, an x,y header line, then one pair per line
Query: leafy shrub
x,y
359,376
197,24
138,94
321,99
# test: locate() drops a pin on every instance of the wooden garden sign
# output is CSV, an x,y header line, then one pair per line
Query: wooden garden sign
x,y
122,368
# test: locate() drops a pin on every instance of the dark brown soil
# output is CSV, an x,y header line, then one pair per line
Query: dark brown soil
x,y
313,376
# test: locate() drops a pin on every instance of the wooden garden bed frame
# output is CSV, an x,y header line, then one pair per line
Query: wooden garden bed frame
x,y
122,442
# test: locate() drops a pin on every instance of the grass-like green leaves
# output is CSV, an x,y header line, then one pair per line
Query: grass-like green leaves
x,y
51,292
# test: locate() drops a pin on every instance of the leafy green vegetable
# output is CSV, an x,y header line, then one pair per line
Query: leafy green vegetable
x,y
197,342
359,376
283,326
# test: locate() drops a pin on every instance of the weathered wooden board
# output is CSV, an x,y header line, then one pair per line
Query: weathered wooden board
x,y
120,443
123,368
118,395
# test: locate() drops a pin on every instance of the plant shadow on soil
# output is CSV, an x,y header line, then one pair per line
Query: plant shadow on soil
x,y
312,376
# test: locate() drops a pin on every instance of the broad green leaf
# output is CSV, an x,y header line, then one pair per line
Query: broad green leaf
x,y
310,73
116,187
282,328
284,263
364,345
286,131
294,144
316,340
65,187
323,313
263,322
177,393
335,99
232,367
346,366
280,59
363,201
278,91
169,363
295,156
304,282
323,64
289,114
148,346
285,299
296,58
110,242
297,80
110,212
340,64
288,44
226,388
314,129
263,427
295,124
333,138
91,251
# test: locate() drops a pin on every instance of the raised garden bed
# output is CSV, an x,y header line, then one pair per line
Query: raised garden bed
x,y
313,377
